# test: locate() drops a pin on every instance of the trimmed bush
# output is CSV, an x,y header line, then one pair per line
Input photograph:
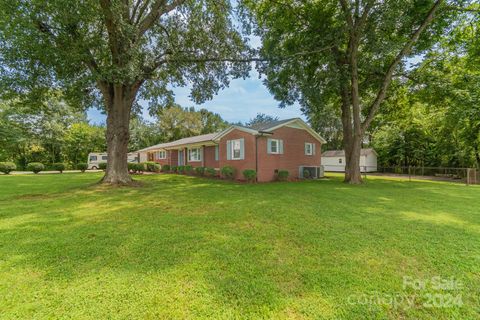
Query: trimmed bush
x,y
306,174
250,175
211,172
228,172
102,166
35,167
174,169
181,169
58,167
141,167
7,167
188,169
157,167
165,168
82,167
200,171
282,175
153,166
132,166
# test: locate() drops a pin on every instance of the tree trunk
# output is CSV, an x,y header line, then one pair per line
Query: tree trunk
x,y
352,147
119,102
352,142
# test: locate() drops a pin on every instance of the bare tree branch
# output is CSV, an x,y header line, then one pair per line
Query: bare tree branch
x,y
347,12
142,11
388,75
149,70
159,8
111,28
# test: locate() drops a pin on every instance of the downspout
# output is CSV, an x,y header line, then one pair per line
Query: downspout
x,y
256,157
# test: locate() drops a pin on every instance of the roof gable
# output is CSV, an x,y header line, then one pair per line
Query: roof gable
x,y
269,127
257,129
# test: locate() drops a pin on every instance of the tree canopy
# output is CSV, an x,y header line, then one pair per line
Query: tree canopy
x,y
433,119
355,49
111,52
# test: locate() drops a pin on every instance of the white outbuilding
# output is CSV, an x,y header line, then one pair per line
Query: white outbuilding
x,y
334,160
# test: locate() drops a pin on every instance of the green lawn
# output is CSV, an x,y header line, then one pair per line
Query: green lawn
x,y
184,247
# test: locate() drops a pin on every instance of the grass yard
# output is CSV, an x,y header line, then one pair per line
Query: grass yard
x,y
184,248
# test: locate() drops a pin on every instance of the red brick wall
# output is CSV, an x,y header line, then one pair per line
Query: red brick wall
x,y
209,157
173,154
163,161
293,153
248,162
152,155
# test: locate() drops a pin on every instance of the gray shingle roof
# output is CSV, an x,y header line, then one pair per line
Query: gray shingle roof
x,y
189,140
209,137
341,153
268,125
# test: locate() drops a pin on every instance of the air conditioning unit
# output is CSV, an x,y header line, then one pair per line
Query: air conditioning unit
x,y
311,172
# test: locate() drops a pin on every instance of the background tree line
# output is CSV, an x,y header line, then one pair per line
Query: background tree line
x,y
57,132
432,114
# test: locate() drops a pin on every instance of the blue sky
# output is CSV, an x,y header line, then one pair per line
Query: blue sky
x,y
241,101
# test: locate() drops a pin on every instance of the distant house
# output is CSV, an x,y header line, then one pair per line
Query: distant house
x,y
334,160
268,147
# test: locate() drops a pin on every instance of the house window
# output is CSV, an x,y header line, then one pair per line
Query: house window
x,y
162,154
236,149
194,154
274,146
93,158
340,160
309,148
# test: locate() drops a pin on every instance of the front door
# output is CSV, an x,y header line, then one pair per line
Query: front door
x,y
180,158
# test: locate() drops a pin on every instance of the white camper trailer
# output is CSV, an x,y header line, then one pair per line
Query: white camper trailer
x,y
94,159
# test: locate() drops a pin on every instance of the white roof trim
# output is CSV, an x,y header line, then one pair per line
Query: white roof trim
x,y
302,124
230,129
207,143
284,124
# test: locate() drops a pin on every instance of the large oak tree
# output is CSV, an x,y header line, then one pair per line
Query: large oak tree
x,y
114,52
355,48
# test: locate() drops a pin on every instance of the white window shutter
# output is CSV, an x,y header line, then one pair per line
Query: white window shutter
x,y
305,148
313,148
229,150
242,148
216,153
269,145
280,146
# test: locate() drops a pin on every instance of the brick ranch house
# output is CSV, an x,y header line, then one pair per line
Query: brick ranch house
x,y
266,148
